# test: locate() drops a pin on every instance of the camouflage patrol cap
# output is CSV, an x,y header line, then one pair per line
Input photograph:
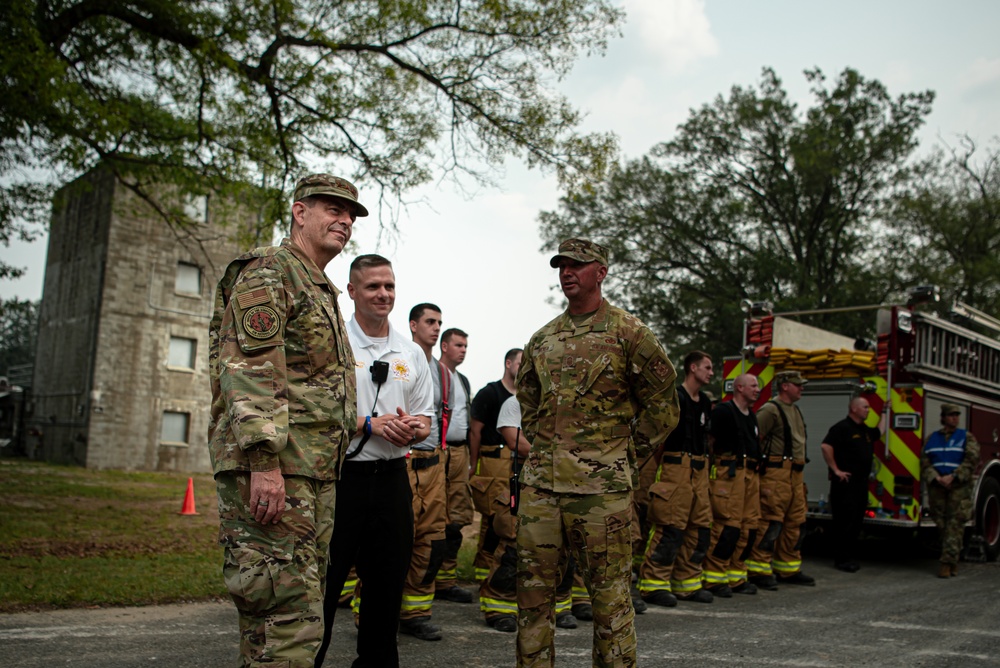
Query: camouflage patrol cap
x,y
581,250
948,409
325,184
793,377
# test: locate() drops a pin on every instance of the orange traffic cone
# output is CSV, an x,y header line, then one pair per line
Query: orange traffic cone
x,y
188,507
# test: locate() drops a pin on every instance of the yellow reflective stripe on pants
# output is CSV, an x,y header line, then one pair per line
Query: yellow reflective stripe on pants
x,y
417,603
787,567
715,578
759,567
685,586
497,606
736,577
348,587
648,586
481,573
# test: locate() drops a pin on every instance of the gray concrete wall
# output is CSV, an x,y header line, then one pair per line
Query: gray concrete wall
x,y
68,320
119,382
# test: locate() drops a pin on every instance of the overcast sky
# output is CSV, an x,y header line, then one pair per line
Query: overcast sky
x,y
478,257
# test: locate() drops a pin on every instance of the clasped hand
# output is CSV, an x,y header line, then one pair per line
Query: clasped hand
x,y
399,428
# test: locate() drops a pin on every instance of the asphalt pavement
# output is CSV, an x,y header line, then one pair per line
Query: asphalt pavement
x,y
893,612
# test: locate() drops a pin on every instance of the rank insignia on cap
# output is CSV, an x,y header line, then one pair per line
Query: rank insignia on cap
x,y
261,322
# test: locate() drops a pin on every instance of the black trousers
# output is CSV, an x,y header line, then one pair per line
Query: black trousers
x,y
848,502
372,531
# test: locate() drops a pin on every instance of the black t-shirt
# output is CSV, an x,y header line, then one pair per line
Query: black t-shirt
x,y
735,434
692,429
486,409
853,447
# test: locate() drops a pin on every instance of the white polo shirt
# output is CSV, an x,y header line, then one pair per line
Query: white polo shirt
x,y
459,426
408,386
510,413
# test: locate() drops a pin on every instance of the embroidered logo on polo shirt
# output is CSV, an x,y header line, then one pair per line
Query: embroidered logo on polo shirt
x,y
400,369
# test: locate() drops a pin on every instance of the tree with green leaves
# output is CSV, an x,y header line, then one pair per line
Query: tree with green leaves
x,y
18,333
239,98
948,224
755,199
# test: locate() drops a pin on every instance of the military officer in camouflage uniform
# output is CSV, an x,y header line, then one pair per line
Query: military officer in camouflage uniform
x,y
596,391
947,466
283,407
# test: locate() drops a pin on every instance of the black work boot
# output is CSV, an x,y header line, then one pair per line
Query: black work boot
x,y
583,611
767,582
420,628
797,578
700,596
661,597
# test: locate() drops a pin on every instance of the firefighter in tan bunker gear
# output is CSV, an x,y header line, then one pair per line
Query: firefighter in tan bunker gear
x,y
679,505
776,558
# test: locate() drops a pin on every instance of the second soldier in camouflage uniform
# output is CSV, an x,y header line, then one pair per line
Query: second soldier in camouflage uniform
x,y
283,406
947,466
596,390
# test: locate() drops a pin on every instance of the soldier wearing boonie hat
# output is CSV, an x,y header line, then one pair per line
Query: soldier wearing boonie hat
x,y
947,465
331,186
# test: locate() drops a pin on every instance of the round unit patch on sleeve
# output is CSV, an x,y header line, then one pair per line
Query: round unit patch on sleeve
x,y
261,322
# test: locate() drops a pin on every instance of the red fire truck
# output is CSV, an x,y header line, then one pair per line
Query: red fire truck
x,y
919,362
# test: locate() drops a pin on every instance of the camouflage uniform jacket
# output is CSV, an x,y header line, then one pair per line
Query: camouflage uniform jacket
x,y
284,393
593,397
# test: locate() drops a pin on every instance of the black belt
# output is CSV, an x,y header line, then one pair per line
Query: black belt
x,y
696,464
734,462
418,464
457,444
780,464
374,467
493,454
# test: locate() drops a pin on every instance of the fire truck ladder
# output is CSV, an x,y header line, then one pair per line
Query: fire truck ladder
x,y
950,352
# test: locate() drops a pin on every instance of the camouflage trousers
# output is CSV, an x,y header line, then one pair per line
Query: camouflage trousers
x,y
595,529
276,574
951,509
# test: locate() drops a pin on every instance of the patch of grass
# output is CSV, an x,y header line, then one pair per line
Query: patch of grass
x,y
74,537
465,571
78,537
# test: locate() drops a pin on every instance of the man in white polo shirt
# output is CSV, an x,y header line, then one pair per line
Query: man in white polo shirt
x,y
373,526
